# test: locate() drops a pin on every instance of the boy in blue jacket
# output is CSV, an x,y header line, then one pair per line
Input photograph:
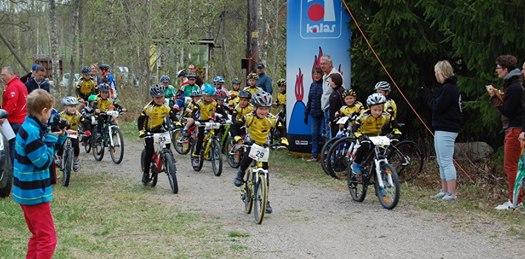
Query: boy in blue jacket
x,y
32,188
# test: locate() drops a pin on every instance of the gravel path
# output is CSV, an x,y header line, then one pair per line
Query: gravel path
x,y
309,221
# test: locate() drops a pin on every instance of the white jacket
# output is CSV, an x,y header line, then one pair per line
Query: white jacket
x,y
327,90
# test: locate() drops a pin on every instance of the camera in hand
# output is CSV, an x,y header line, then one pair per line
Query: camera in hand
x,y
58,124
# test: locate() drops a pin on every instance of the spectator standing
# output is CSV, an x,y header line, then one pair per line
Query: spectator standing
x,y
510,104
14,102
37,80
328,69
264,81
336,100
314,111
446,121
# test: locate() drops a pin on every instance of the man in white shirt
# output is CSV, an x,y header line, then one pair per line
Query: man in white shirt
x,y
328,68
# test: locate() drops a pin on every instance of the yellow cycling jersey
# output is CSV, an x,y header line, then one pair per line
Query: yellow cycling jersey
x,y
259,128
189,109
104,105
281,98
86,87
206,110
234,99
371,126
391,107
346,110
241,112
72,119
155,114
253,90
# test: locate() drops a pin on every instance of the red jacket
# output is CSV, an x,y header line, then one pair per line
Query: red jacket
x,y
14,100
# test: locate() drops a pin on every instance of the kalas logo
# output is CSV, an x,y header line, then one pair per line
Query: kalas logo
x,y
319,20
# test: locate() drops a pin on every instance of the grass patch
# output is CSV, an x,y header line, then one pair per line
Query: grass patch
x,y
236,233
104,216
469,208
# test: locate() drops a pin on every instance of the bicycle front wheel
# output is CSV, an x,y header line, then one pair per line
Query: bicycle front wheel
x,y
171,171
260,197
181,144
67,164
116,150
98,148
389,194
196,161
324,154
337,159
216,159
233,157
407,159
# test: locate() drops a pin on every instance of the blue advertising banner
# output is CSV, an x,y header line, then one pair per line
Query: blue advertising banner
x,y
314,28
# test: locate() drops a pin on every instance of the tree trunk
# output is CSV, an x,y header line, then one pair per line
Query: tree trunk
x,y
81,33
76,11
55,59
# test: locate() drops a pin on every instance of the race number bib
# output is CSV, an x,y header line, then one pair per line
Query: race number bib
x,y
161,140
258,153
342,120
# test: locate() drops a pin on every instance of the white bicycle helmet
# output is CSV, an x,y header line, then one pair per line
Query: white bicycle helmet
x,y
375,99
383,85
262,99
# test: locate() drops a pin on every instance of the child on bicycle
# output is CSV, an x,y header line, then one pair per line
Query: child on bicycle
x,y
233,99
252,87
87,114
86,86
73,117
151,120
259,125
169,90
352,106
372,122
205,110
383,87
104,103
281,95
242,109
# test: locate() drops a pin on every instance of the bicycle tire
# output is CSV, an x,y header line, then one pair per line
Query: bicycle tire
x,y
216,158
196,162
117,134
171,171
246,197
181,144
324,154
233,158
357,189
337,160
98,149
260,197
407,159
87,144
386,201
67,159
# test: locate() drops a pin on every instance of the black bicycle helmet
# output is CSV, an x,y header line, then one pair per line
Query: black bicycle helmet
x,y
86,70
245,94
104,87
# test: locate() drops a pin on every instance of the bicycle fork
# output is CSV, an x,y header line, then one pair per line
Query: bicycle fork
x,y
380,183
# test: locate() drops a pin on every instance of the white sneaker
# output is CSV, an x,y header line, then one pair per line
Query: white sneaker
x,y
439,195
505,206
449,197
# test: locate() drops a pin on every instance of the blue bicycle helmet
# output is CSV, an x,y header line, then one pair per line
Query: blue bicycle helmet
x,y
104,87
208,89
195,93
86,70
165,78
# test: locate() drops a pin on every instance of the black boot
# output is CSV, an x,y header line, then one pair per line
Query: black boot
x,y
237,181
145,178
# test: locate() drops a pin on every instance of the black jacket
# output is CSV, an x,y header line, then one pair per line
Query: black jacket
x,y
512,108
32,85
313,107
446,107
336,102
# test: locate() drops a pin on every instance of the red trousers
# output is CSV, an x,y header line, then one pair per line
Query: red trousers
x,y
40,223
511,155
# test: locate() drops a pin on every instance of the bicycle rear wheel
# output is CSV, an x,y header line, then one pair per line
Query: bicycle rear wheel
x,y
116,150
233,157
407,159
181,144
389,195
67,164
86,142
260,197
216,159
171,171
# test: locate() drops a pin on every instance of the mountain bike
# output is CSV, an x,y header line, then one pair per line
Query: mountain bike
x,y
376,170
162,160
333,160
407,158
65,163
109,136
254,192
519,184
181,143
211,148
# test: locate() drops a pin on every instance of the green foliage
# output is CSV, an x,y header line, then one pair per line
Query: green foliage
x,y
411,36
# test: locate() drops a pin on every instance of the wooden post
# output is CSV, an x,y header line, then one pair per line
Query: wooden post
x,y
252,36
